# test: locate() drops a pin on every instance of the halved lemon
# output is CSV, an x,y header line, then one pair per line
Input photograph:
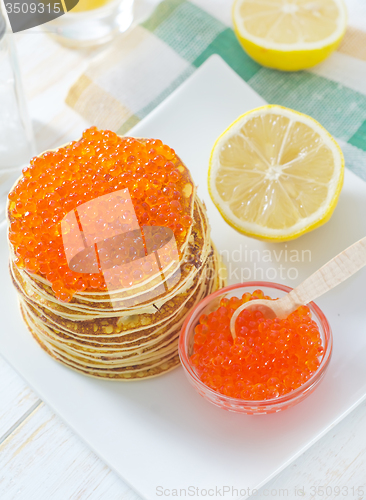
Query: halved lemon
x,y
275,174
289,35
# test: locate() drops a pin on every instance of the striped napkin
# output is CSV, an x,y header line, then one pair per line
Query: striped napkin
x,y
141,68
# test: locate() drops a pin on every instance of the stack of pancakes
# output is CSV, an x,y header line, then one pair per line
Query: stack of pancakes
x,y
130,333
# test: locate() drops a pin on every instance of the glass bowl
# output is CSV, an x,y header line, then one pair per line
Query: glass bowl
x,y
280,403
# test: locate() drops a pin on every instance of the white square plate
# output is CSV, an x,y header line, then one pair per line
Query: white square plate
x,y
160,432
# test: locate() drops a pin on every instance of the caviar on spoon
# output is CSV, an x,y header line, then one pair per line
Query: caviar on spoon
x,y
334,272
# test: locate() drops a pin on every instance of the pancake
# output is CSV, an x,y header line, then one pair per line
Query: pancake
x,y
117,329
119,364
87,304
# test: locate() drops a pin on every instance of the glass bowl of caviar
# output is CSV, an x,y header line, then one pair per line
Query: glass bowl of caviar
x,y
271,365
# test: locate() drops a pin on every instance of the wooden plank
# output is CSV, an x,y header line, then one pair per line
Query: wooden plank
x,y
43,459
335,465
16,399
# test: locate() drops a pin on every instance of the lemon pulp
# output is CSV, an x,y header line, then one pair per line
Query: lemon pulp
x,y
289,34
275,174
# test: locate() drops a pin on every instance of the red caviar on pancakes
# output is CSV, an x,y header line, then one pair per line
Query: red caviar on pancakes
x,y
99,163
268,358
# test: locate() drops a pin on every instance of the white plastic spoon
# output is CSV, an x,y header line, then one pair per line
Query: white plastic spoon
x,y
327,277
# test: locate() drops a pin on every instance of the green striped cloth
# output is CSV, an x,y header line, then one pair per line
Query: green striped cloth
x,y
142,68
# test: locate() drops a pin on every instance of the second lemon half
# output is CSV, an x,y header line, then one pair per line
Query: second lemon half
x,y
289,35
275,174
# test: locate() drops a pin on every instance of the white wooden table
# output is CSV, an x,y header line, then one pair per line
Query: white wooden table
x,y
40,457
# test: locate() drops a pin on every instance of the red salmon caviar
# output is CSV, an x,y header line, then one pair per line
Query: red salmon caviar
x,y
99,163
269,357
